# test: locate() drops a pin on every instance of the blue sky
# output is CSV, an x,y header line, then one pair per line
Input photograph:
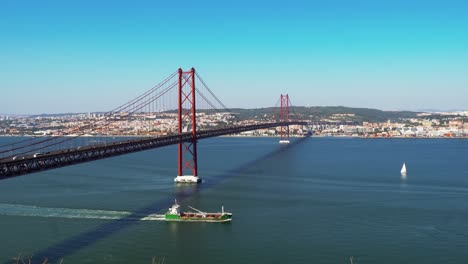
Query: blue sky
x,y
80,56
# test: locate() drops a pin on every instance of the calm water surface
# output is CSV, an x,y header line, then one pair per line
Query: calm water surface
x,y
321,200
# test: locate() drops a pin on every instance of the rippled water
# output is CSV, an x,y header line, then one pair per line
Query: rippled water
x,y
321,200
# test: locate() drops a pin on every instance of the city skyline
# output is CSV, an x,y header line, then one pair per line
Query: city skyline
x,y
67,57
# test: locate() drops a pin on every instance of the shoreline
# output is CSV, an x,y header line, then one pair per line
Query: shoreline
x,y
250,136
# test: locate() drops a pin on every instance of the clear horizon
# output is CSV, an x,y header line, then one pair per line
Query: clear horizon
x,y
61,57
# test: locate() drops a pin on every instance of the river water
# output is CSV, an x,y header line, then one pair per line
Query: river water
x,y
317,200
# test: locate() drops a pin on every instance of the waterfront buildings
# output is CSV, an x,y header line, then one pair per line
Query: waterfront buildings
x,y
153,124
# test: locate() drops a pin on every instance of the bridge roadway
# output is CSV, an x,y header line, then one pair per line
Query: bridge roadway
x,y
67,157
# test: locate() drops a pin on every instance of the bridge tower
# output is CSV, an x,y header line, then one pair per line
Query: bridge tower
x,y
284,117
187,151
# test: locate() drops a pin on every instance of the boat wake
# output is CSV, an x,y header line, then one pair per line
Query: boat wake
x,y
37,211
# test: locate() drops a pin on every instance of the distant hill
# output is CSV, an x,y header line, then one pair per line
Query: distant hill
x,y
315,113
328,112
360,114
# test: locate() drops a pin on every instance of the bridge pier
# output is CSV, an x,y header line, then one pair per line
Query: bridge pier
x,y
187,151
187,179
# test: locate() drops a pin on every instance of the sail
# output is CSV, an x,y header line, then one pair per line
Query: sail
x,y
403,169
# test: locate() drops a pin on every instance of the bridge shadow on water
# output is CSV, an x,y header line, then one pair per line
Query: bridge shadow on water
x,y
69,246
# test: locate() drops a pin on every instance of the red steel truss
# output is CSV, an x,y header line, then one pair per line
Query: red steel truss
x,y
187,151
284,116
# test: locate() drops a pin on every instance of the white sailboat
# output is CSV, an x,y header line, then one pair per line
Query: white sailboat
x,y
403,169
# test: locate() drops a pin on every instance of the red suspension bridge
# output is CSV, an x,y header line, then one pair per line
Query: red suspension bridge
x,y
73,145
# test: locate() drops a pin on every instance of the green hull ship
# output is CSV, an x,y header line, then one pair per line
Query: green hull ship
x,y
174,215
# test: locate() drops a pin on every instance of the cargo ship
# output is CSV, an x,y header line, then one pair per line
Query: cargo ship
x,y
174,214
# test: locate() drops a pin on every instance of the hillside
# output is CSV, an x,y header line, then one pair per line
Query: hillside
x,y
327,112
315,113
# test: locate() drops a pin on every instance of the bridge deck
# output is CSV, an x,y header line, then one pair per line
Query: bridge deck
x,y
67,157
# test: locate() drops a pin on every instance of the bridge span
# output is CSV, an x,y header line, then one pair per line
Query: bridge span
x,y
44,153
67,157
